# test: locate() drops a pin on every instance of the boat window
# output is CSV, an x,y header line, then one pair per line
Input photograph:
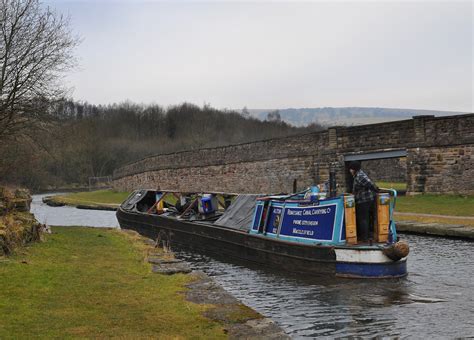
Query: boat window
x,y
137,198
147,201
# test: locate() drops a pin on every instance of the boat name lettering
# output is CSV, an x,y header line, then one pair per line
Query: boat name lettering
x,y
303,232
306,222
309,212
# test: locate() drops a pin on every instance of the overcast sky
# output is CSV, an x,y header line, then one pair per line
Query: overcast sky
x,y
274,54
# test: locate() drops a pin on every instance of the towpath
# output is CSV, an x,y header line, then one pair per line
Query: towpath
x,y
434,224
436,216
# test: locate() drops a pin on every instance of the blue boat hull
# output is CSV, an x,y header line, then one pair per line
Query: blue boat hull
x,y
372,270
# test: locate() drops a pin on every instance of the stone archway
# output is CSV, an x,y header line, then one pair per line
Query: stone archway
x,y
383,165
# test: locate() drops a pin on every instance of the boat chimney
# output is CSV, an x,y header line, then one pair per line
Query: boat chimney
x,y
332,180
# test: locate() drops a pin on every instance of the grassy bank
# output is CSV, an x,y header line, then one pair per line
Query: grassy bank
x,y
392,185
93,198
86,282
429,219
451,205
98,198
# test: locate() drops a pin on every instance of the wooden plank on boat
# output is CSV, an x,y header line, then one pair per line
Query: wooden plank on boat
x,y
189,208
156,204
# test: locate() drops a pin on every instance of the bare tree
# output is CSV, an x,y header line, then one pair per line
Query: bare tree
x,y
36,48
274,116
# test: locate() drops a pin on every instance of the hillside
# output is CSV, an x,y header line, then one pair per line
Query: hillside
x,y
330,116
84,140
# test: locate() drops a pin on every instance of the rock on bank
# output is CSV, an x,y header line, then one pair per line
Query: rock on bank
x,y
17,225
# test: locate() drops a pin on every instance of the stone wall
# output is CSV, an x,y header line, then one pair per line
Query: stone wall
x,y
274,175
439,152
388,170
447,169
278,148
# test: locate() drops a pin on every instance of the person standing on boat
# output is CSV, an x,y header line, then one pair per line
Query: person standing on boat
x,y
365,193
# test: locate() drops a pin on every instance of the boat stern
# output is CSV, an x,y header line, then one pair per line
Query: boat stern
x,y
368,262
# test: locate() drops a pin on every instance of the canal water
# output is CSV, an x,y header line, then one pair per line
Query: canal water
x,y
71,216
435,301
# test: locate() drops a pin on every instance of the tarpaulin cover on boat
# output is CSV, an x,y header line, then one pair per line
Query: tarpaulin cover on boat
x,y
240,213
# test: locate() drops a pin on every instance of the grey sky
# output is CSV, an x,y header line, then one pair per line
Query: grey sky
x,y
274,54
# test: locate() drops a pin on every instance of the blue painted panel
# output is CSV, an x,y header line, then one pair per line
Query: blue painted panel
x,y
391,269
314,222
273,219
257,216
343,233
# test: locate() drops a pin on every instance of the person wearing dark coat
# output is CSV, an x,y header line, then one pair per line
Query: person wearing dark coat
x,y
365,193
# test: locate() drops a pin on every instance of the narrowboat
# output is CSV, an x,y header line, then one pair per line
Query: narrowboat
x,y
310,232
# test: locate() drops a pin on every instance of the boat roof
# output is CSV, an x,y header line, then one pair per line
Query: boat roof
x,y
239,215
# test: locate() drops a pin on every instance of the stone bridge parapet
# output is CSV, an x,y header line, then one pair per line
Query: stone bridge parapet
x,y
439,159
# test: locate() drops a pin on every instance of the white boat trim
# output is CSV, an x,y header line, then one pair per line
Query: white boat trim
x,y
361,256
